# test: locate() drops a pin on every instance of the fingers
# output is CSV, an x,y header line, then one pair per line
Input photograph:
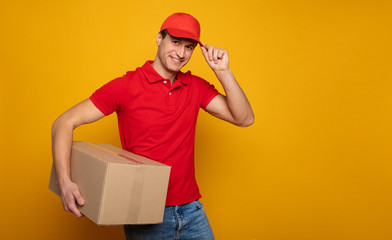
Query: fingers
x,y
215,55
74,209
204,51
221,53
72,198
207,51
79,198
212,53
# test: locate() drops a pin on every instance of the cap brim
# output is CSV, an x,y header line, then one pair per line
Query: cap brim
x,y
182,34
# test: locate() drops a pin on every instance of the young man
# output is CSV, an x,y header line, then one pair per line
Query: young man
x,y
157,107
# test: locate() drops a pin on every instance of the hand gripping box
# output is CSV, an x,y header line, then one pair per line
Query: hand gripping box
x,y
119,187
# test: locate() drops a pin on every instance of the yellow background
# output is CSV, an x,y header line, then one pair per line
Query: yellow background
x,y
315,165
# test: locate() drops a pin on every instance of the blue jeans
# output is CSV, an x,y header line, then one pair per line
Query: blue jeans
x,y
188,221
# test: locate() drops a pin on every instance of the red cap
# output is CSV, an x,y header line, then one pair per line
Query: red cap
x,y
182,25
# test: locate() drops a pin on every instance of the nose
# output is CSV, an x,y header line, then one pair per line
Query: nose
x,y
180,52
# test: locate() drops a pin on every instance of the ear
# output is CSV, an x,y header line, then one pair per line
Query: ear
x,y
159,39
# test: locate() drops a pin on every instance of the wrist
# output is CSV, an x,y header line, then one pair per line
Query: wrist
x,y
223,73
63,181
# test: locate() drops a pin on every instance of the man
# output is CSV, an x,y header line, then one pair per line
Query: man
x,y
157,107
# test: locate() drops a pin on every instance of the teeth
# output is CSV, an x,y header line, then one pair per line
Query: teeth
x,y
176,60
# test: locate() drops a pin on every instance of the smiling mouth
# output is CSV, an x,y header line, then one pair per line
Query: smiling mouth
x,y
175,60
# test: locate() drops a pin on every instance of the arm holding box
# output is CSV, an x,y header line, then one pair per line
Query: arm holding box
x,y
62,137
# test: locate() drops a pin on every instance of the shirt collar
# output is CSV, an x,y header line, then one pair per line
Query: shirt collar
x,y
152,75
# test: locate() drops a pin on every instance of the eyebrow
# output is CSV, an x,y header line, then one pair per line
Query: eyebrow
x,y
193,45
182,39
176,38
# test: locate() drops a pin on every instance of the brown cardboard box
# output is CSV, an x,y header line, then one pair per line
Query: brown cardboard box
x,y
119,187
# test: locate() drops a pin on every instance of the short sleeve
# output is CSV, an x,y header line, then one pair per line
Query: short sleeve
x,y
112,96
207,92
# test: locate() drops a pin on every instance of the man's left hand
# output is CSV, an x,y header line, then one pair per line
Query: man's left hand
x,y
217,58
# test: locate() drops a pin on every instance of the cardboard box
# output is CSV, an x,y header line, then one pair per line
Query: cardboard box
x,y
119,187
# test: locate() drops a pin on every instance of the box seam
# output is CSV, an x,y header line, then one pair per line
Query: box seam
x,y
102,200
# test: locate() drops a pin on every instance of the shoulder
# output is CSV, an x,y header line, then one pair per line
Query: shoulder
x,y
194,79
124,80
118,86
205,89
129,75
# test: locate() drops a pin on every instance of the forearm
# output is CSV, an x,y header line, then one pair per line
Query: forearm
x,y
236,99
62,136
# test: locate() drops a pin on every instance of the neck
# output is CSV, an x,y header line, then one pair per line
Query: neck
x,y
165,74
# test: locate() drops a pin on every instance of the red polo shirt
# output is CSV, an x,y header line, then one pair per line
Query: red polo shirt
x,y
158,120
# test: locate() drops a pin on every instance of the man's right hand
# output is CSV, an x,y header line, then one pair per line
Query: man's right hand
x,y
71,197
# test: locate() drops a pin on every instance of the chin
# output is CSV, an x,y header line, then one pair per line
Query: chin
x,y
175,68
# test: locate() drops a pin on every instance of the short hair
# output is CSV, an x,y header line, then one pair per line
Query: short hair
x,y
164,33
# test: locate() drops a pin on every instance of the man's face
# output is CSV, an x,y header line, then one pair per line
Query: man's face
x,y
173,53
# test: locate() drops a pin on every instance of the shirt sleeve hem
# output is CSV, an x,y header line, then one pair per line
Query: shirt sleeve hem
x,y
99,106
209,100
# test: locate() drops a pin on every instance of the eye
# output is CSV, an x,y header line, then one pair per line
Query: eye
x,y
190,47
175,42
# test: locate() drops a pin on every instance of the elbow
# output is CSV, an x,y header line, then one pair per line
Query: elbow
x,y
58,123
54,127
62,122
248,121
